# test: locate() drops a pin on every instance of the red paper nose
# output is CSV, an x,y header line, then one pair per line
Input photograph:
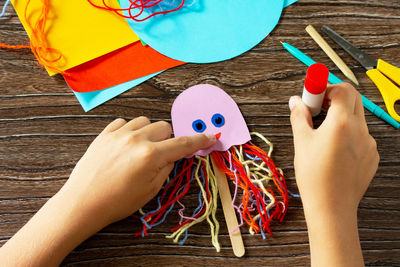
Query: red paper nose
x,y
218,135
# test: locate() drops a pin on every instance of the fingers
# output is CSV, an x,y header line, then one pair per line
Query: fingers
x,y
300,117
136,124
174,149
155,132
342,98
345,103
114,125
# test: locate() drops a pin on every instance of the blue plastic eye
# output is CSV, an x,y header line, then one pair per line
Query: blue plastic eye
x,y
199,126
218,120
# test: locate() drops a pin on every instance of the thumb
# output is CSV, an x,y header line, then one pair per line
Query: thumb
x,y
300,117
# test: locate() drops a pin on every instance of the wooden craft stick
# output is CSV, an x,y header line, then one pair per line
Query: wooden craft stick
x,y
229,212
331,54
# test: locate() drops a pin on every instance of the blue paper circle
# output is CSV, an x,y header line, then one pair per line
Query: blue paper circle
x,y
199,126
218,120
209,30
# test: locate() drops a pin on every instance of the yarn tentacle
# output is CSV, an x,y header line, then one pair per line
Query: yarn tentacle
x,y
260,188
210,203
255,170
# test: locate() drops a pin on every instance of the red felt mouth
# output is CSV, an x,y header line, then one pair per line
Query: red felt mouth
x,y
218,135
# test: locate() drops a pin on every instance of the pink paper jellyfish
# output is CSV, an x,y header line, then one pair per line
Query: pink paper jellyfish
x,y
260,193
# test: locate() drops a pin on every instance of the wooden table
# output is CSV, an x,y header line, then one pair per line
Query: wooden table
x,y
44,132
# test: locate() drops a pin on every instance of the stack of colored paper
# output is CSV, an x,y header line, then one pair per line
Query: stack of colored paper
x,y
103,57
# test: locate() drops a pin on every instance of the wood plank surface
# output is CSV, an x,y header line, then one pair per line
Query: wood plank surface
x,y
44,132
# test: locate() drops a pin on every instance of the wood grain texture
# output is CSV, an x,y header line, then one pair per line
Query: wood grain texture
x,y
44,132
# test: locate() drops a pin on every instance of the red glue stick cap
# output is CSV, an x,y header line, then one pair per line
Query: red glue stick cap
x,y
316,78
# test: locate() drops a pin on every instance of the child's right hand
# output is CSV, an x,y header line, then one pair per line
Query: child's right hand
x,y
334,165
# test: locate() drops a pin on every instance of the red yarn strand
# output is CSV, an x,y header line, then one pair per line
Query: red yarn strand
x,y
135,5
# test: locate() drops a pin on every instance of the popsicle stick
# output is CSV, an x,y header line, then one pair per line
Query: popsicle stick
x,y
229,212
331,54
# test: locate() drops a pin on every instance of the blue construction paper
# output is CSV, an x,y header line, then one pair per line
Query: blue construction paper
x,y
93,99
288,2
209,30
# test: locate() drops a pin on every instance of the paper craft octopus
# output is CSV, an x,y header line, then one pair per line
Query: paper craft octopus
x,y
260,193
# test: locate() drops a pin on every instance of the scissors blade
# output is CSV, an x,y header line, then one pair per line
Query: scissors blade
x,y
365,60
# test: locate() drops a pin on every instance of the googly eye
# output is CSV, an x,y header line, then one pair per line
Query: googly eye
x,y
198,126
218,120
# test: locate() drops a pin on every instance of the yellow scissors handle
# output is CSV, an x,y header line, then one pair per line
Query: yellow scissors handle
x,y
389,91
389,70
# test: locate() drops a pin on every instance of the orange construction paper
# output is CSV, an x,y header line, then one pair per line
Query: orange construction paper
x,y
76,29
125,64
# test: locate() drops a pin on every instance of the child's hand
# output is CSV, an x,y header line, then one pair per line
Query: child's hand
x,y
127,164
334,165
122,170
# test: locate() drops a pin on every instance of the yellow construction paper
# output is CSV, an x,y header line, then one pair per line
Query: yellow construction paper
x,y
78,30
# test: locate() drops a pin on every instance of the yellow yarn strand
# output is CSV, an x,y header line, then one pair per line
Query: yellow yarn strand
x,y
258,173
211,206
270,145
214,192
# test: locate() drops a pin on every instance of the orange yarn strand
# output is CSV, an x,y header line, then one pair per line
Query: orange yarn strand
x,y
6,46
46,56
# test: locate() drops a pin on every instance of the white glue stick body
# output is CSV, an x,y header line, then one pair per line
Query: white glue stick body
x,y
314,87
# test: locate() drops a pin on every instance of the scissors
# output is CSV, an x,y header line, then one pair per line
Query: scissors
x,y
379,71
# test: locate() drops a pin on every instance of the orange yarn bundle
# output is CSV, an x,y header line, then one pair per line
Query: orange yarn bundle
x,y
48,57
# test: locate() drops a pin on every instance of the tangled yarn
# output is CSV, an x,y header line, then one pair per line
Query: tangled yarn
x,y
260,194
49,57
142,10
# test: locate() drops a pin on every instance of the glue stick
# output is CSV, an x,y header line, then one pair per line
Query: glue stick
x,y
315,86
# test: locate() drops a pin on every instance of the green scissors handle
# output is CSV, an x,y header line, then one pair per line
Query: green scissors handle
x,y
389,91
